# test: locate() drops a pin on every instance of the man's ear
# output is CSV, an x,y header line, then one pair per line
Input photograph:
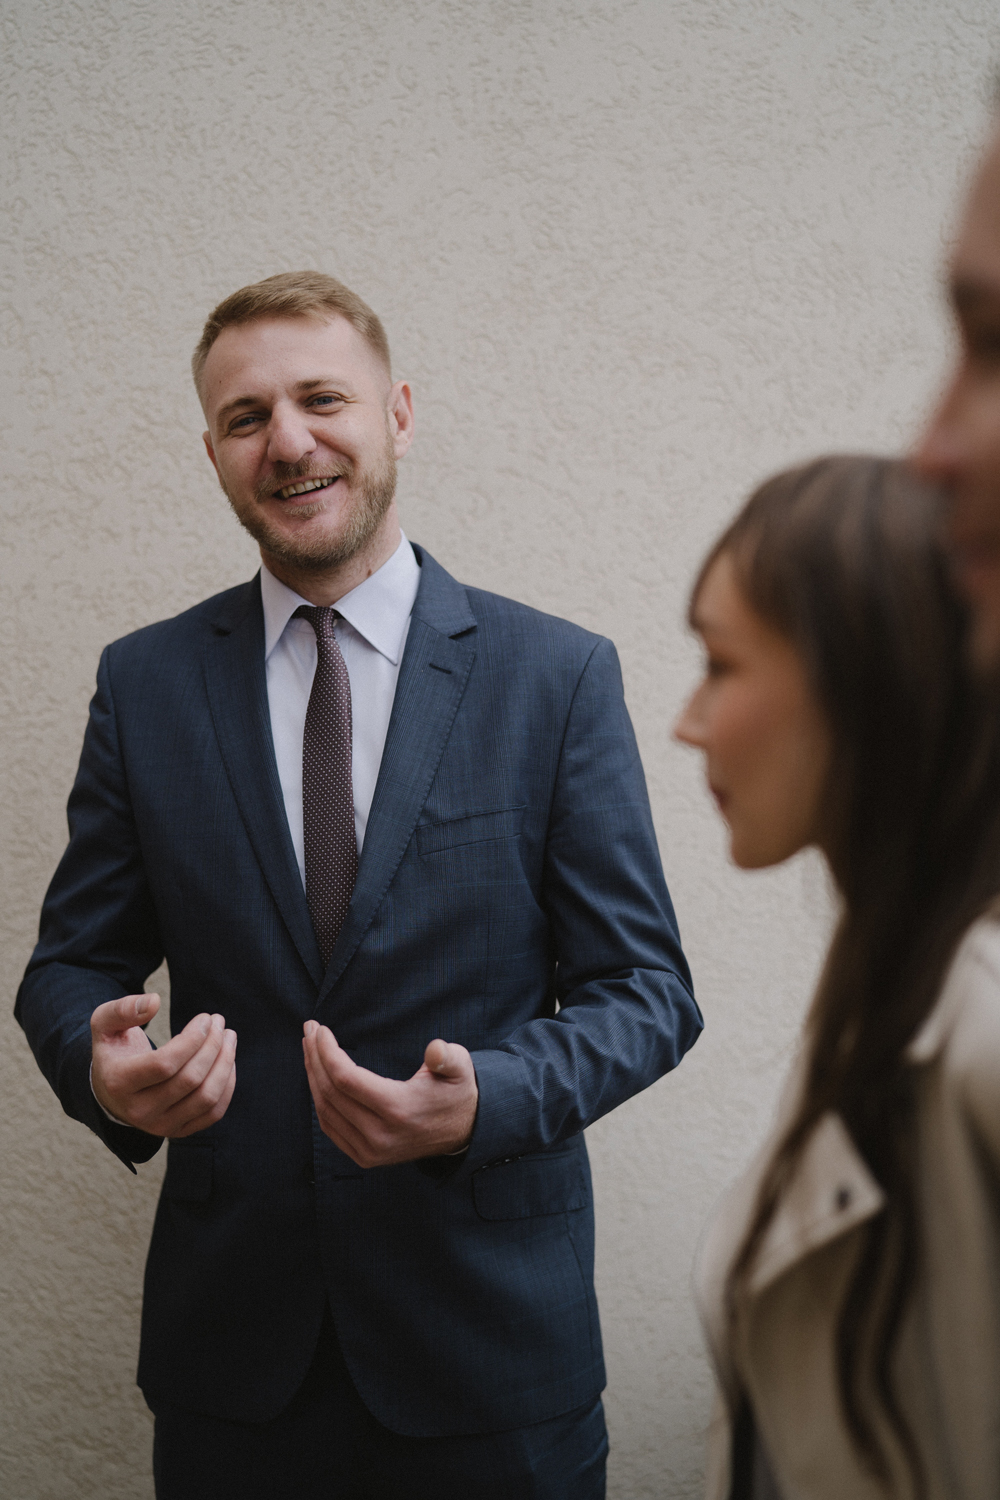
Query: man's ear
x,y
207,440
399,416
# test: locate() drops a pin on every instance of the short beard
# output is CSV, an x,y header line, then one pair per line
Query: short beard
x,y
374,490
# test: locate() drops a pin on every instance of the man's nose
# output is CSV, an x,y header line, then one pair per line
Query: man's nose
x,y
289,439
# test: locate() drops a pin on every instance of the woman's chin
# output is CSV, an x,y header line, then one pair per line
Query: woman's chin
x,y
748,853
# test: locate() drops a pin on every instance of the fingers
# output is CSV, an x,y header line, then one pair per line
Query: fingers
x,y
211,1099
179,1065
183,1086
332,1073
357,1130
448,1060
374,1094
378,1121
343,1132
177,1071
121,1015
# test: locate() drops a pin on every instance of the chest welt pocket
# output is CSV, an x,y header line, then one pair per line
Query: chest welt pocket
x,y
474,828
188,1177
546,1183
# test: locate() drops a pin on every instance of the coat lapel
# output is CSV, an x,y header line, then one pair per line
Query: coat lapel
x,y
831,1192
432,678
236,684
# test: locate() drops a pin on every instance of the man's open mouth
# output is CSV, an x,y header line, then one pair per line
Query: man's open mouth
x,y
303,486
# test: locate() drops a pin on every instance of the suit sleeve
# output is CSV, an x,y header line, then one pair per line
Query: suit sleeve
x,y
98,936
627,1012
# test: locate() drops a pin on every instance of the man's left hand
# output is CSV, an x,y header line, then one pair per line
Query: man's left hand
x,y
380,1121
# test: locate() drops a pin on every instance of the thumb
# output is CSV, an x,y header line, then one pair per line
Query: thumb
x,y
121,1015
446,1059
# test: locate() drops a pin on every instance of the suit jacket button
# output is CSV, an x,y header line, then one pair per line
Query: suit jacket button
x,y
310,1176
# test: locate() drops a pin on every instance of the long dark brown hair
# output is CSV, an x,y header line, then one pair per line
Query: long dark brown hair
x,y
841,556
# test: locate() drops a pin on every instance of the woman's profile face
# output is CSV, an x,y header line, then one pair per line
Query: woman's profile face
x,y
764,737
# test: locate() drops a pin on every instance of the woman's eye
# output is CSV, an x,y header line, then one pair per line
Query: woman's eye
x,y
983,343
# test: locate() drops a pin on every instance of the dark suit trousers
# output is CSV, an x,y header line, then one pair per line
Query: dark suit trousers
x,y
327,1446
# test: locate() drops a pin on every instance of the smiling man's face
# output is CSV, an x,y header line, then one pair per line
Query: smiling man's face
x,y
305,428
961,447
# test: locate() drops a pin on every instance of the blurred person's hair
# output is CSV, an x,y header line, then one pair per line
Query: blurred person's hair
x,y
842,557
292,294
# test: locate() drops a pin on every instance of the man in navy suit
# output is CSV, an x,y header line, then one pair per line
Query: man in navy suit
x,y
371,1267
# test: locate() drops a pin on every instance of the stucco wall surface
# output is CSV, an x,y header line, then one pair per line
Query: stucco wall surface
x,y
632,254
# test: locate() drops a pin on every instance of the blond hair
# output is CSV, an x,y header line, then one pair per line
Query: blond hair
x,y
291,294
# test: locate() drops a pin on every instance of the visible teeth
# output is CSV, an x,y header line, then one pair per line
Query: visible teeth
x,y
303,488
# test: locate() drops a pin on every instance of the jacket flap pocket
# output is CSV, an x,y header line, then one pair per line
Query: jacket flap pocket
x,y
189,1171
475,828
530,1186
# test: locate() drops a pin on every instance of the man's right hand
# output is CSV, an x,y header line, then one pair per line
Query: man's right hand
x,y
173,1090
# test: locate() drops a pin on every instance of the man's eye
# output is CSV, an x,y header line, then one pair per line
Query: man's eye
x,y
325,401
243,422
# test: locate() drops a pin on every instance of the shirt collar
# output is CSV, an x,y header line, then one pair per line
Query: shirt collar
x,y
378,609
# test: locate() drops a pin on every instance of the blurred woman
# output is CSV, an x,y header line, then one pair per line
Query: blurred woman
x,y
850,1283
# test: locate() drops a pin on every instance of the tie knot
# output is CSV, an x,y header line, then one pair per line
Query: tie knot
x,y
320,617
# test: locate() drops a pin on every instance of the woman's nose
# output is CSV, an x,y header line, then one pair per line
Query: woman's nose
x,y
690,727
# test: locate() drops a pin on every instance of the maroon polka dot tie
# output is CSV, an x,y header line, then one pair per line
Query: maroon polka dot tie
x,y
331,846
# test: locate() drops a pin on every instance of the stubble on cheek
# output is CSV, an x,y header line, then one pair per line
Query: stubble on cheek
x,y
369,494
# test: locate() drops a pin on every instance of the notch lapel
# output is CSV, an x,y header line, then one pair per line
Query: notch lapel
x,y
432,679
830,1193
236,683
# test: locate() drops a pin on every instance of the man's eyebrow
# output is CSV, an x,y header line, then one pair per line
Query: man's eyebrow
x,y
310,385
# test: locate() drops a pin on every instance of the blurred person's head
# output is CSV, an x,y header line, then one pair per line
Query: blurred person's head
x,y
838,710
961,447
831,699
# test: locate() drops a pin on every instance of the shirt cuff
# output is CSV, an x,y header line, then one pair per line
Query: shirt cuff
x,y
113,1118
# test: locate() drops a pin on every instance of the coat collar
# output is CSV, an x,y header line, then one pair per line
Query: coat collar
x,y
979,947
378,609
831,1192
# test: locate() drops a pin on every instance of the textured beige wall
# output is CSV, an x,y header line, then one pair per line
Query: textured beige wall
x,y
632,254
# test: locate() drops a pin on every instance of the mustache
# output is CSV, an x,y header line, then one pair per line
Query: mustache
x,y
285,474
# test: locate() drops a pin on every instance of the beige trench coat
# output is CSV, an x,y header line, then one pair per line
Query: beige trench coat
x,y
948,1359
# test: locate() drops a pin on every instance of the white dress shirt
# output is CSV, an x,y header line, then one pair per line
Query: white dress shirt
x,y
371,636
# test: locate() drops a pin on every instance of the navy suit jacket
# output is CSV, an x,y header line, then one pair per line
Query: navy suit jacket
x,y
509,897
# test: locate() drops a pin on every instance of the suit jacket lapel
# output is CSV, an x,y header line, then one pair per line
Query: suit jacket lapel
x,y
432,678
236,684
